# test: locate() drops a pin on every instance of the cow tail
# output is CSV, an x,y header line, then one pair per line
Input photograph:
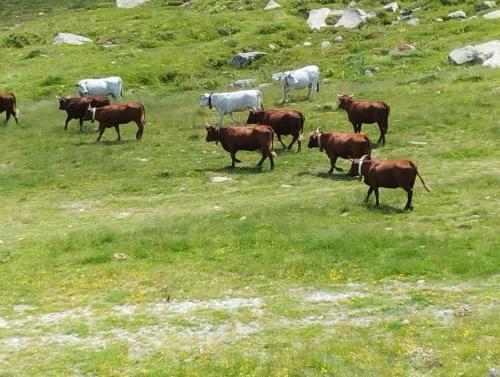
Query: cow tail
x,y
143,113
387,118
302,121
272,143
16,110
369,145
121,88
419,176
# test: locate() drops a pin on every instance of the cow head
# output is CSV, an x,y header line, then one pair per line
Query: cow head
x,y
82,88
314,140
63,102
255,115
356,166
212,133
345,101
206,100
289,79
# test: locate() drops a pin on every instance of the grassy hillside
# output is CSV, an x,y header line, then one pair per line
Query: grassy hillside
x,y
126,259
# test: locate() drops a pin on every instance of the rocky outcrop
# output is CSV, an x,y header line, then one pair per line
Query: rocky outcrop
x,y
456,15
492,15
485,5
348,18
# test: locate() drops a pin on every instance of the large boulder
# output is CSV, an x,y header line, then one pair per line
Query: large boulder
x,y
492,15
353,18
493,61
477,54
70,39
243,59
317,18
272,5
130,3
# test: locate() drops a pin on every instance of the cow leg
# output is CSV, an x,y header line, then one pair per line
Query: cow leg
x,y
309,91
101,131
7,116
139,133
233,160
409,205
221,116
117,128
376,196
295,138
370,190
81,125
264,155
281,141
15,117
333,160
234,118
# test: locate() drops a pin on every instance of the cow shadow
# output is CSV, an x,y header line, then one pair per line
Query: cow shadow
x,y
104,142
384,208
325,175
238,170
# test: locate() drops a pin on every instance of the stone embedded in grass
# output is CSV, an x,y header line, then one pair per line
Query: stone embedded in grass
x,y
70,39
414,21
221,179
325,44
493,61
462,311
306,43
456,15
130,3
244,83
492,15
424,358
418,142
317,18
391,7
485,5
120,256
477,54
353,18
272,5
243,59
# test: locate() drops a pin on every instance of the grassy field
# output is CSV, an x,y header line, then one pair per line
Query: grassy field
x,y
126,259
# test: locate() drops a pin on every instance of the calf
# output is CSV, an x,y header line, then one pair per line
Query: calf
x,y
229,102
114,115
343,145
76,107
360,112
389,174
282,121
248,138
9,105
305,77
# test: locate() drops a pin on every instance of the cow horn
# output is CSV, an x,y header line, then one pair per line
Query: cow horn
x,y
352,95
58,97
339,95
208,125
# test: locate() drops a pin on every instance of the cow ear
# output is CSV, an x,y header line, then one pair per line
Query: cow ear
x,y
352,95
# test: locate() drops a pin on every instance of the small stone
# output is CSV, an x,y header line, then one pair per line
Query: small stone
x,y
272,5
405,322
130,3
439,20
242,218
272,46
338,38
71,39
457,14
244,83
418,142
391,7
221,179
243,59
325,44
120,256
413,21
492,15
286,186
306,44
462,311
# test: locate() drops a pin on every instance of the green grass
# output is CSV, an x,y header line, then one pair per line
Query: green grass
x,y
69,204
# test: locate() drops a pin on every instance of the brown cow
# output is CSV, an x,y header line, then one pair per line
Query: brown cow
x,y
282,121
246,138
8,104
114,115
343,145
76,107
360,112
389,174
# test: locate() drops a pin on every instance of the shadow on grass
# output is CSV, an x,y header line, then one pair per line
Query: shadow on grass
x,y
333,177
238,170
104,142
385,209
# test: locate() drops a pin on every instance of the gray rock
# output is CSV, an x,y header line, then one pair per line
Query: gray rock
x,y
493,61
317,18
414,21
130,3
370,71
338,38
485,5
391,7
494,372
457,14
492,15
70,39
404,49
306,43
272,5
272,46
244,83
477,54
325,44
439,20
351,18
243,59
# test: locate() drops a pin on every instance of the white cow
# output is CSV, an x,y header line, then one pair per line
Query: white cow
x,y
306,77
232,101
104,86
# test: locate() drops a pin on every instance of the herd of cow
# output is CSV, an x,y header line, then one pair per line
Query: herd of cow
x,y
262,125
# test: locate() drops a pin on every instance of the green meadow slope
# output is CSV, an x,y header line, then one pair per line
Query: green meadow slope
x,y
126,259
